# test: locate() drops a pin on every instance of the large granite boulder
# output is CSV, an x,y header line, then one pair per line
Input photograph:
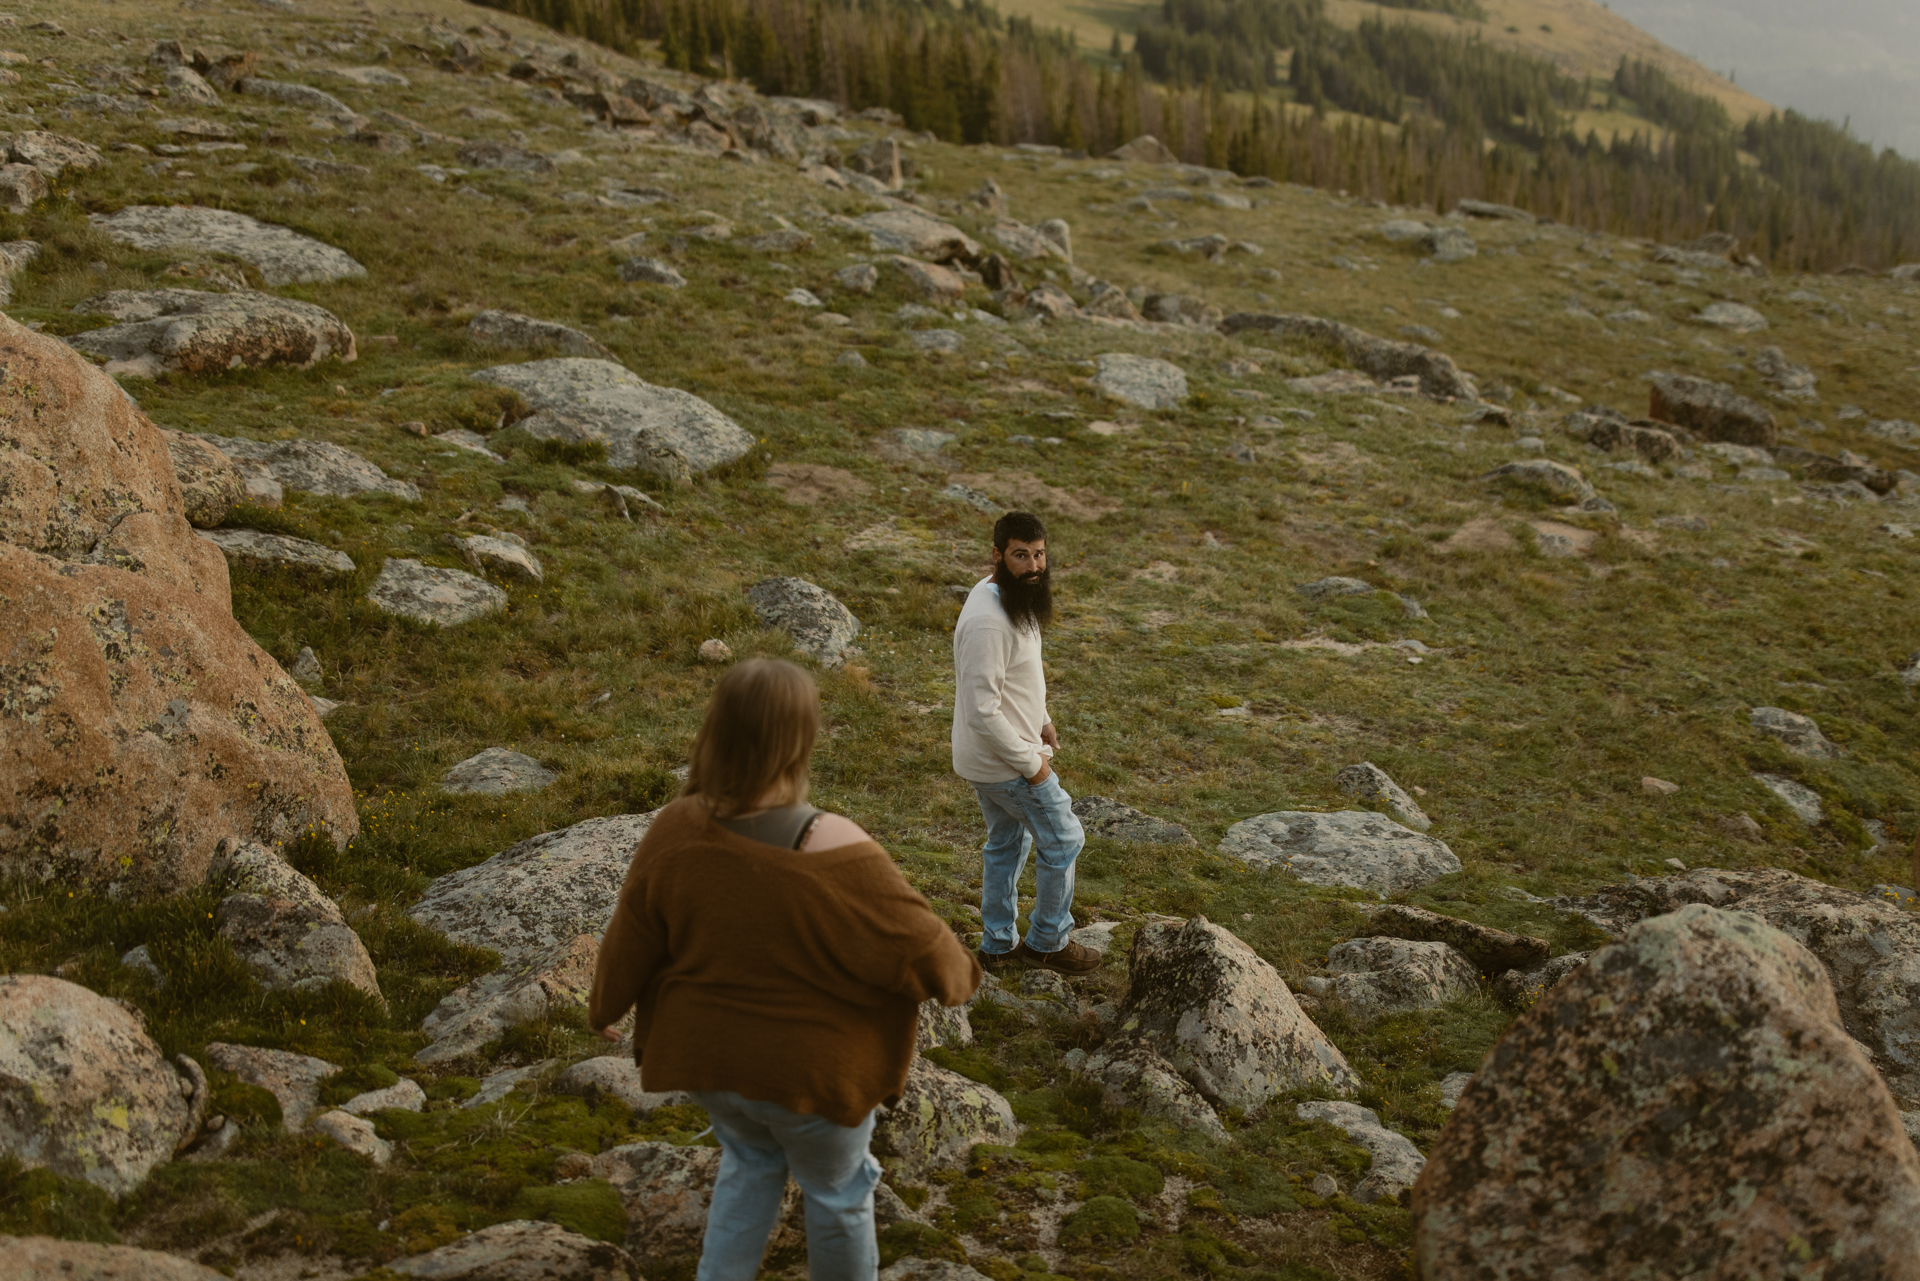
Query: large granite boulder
x,y
48,1259
282,257
433,594
283,928
145,725
520,1250
1870,947
939,1117
821,627
1379,358
84,1091
313,466
1355,848
660,430
1142,381
190,331
1223,1018
1686,1104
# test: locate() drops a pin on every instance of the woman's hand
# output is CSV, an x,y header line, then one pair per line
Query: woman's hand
x,y
607,1034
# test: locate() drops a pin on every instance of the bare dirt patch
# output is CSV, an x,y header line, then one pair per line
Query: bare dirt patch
x,y
1028,489
809,484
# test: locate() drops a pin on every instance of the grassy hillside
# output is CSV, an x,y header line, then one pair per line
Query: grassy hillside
x,y
1189,676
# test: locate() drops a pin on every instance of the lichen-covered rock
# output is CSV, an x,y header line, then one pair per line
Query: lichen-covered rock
x,y
496,771
821,627
1375,976
1396,1161
434,595
190,331
1380,358
939,1117
946,1025
292,1079
509,560
283,928
616,1076
210,485
665,1190
355,1134
1714,411
1493,951
279,549
48,1259
1870,947
51,153
546,982
510,329
144,724
1102,816
917,235
1369,782
520,1250
1355,848
1134,1075
1224,1019
1522,989
1142,381
1685,1104
314,466
1801,734
930,281
292,94
84,1091
661,430
1563,483
282,257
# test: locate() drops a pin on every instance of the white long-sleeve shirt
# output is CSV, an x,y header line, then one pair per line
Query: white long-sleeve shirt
x,y
999,692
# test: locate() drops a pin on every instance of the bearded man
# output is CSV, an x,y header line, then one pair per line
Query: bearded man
x,y
1003,744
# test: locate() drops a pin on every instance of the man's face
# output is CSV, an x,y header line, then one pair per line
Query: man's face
x,y
1025,561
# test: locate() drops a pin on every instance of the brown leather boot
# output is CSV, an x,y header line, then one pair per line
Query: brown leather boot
x,y
1070,959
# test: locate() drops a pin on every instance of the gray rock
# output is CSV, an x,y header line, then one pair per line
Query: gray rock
x,y
21,187
617,1076
1523,989
945,1025
282,257
1023,241
1869,946
652,271
509,560
1564,483
920,440
430,594
510,329
1396,1162
1060,233
520,1250
1377,357
1487,209
1493,951
1368,782
282,927
1713,411
405,1096
1452,1085
252,544
139,958
930,280
1696,1082
314,467
1134,1075
917,235
661,430
821,627
51,153
355,1134
1140,380
190,331
946,340
1223,1019
499,1085
209,483
1798,797
14,256
1109,818
185,84
1449,244
665,1190
1375,976
1732,316
1329,588
972,497
37,1258
537,986
371,77
1355,848
857,279
1399,230
84,1091
495,772
292,1079
289,94
939,1117
1800,733
913,1268
471,441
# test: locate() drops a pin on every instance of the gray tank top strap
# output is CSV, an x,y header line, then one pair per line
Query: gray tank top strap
x,y
784,827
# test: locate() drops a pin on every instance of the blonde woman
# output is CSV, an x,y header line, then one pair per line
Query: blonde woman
x,y
776,960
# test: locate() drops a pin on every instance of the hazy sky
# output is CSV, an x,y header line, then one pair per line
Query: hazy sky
x,y
1828,58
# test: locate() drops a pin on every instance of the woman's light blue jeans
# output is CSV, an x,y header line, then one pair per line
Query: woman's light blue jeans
x,y
759,1144
1021,816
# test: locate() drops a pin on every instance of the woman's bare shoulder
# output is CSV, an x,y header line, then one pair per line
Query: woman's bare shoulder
x,y
831,831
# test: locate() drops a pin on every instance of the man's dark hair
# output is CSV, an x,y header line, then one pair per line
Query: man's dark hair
x,y
1023,526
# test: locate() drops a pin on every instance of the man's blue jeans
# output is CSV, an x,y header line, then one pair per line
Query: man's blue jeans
x,y
1021,816
759,1144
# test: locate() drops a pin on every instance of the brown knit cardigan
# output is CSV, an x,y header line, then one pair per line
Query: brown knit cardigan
x,y
786,976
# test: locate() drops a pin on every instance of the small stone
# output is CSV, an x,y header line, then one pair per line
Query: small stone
x,y
851,360
311,466
191,331
407,1096
1324,1185
1658,786
141,959
1452,1085
714,650
1732,316
495,772
941,340
355,1134
1493,951
306,666
941,1115
857,279
281,925
1376,976
821,627
803,298
503,557
1329,588
652,271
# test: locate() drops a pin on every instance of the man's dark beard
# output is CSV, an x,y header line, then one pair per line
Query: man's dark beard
x,y
1028,601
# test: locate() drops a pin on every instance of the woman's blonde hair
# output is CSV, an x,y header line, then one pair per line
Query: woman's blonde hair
x,y
756,739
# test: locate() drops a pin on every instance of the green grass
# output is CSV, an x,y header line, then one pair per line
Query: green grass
x,y
1556,685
